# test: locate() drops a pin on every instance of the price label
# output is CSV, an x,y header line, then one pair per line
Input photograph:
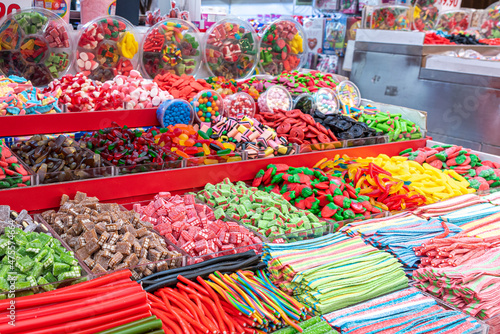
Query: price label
x,y
10,6
444,5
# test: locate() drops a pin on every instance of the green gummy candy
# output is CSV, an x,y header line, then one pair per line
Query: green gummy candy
x,y
59,268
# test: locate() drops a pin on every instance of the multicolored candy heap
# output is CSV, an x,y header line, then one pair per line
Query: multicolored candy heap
x,y
405,311
332,272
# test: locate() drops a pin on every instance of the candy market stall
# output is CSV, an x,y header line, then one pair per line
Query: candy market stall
x,y
143,196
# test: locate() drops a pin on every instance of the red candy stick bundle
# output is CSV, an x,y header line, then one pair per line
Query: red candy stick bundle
x,y
84,308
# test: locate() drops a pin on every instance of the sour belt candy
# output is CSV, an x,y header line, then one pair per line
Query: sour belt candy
x,y
19,97
333,271
471,286
399,235
405,311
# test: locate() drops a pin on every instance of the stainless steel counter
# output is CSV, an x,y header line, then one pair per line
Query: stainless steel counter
x,y
462,109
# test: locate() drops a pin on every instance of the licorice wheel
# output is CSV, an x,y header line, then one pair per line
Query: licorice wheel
x,y
293,113
283,128
297,133
323,138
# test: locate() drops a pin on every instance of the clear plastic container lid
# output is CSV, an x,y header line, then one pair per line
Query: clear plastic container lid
x,y
207,105
107,47
282,47
348,94
390,17
305,103
490,27
230,49
453,20
172,112
35,44
326,101
275,98
171,45
239,105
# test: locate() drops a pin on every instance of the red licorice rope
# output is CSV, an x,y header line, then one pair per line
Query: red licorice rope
x,y
83,308
196,308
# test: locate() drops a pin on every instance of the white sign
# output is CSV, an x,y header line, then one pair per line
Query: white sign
x,y
10,6
444,5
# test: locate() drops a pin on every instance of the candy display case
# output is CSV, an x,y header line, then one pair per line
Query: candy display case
x,y
107,47
36,45
391,17
13,176
276,97
176,111
172,45
282,47
490,26
60,160
453,21
348,93
230,49
425,15
326,101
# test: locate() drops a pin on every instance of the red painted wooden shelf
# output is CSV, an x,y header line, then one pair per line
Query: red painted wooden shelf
x,y
26,125
141,186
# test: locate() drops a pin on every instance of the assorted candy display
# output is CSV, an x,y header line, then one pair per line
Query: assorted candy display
x,y
172,46
59,159
297,246
282,47
231,49
35,45
107,47
106,238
